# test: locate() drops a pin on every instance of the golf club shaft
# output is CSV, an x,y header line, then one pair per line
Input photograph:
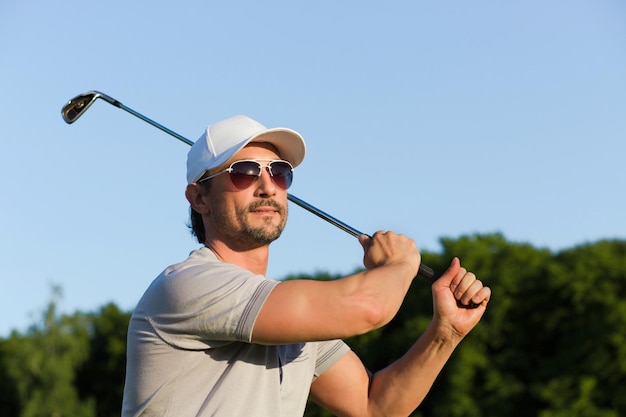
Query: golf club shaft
x,y
79,104
153,123
425,272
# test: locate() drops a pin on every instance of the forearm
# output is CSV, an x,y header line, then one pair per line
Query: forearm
x,y
309,310
399,389
347,390
385,286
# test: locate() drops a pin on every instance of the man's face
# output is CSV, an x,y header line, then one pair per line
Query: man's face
x,y
250,217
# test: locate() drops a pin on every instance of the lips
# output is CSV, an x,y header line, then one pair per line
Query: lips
x,y
264,210
265,207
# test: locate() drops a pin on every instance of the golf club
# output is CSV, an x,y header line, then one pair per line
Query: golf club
x,y
77,106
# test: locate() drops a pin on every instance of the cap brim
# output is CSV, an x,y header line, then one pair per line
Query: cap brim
x,y
289,144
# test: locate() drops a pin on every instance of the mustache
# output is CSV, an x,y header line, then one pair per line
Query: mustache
x,y
267,202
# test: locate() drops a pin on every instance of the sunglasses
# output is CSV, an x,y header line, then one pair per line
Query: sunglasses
x,y
243,173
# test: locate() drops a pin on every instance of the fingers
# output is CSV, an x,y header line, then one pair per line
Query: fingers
x,y
385,248
467,289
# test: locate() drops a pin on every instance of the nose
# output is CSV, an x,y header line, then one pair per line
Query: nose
x,y
265,184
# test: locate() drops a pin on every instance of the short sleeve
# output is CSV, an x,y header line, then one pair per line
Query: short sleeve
x,y
202,303
328,353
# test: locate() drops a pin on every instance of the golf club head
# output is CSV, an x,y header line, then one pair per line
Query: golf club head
x,y
79,105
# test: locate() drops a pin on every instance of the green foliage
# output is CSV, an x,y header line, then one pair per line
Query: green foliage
x,y
72,365
42,364
9,401
552,343
102,376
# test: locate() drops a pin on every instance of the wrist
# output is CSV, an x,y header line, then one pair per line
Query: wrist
x,y
406,267
444,334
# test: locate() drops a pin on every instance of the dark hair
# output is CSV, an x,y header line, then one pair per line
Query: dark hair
x,y
196,224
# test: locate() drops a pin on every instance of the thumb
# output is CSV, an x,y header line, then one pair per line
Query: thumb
x,y
365,241
452,271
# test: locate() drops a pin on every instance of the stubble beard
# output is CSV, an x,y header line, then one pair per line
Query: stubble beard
x,y
242,234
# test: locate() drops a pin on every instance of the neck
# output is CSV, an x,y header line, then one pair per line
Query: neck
x,y
254,260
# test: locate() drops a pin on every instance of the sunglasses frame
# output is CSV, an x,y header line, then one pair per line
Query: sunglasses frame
x,y
268,165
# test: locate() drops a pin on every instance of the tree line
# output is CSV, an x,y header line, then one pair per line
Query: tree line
x,y
552,343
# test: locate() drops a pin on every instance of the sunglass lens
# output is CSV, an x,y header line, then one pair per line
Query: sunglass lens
x,y
282,174
244,173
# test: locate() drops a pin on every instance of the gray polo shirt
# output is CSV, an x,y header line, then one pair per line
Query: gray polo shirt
x,y
190,352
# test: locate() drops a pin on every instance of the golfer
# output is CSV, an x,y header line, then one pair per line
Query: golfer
x,y
213,336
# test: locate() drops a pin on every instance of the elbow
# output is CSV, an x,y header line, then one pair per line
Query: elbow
x,y
374,314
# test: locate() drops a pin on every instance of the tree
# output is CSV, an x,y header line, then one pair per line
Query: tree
x,y
102,376
9,401
42,365
552,343
589,354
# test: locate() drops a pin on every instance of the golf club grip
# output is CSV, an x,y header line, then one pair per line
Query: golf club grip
x,y
428,273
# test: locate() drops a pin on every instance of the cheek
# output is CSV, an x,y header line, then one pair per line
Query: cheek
x,y
227,208
220,218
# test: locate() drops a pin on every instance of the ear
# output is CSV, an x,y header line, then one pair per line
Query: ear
x,y
198,198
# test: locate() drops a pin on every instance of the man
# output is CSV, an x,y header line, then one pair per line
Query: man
x,y
212,336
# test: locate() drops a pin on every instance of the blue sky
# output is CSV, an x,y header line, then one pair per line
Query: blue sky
x,y
434,119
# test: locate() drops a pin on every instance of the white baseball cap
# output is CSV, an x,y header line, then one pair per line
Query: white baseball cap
x,y
223,139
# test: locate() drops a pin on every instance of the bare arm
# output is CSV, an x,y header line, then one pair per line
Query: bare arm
x,y
347,390
307,310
